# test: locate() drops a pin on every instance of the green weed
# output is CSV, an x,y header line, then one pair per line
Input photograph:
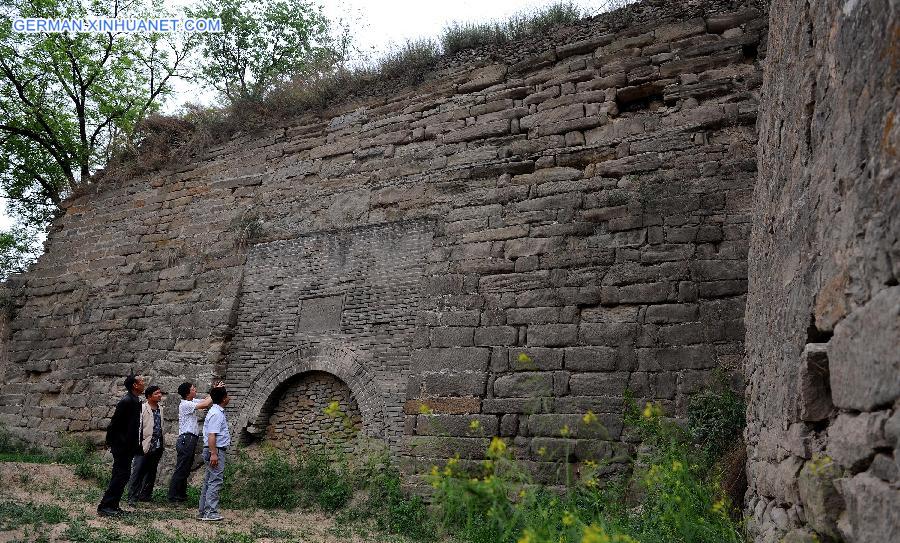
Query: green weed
x,y
15,514
671,496
460,36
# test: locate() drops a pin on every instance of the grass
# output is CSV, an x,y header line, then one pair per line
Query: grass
x,y
460,36
14,515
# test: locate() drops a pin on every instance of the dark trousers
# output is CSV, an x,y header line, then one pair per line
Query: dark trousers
x,y
184,447
121,471
143,476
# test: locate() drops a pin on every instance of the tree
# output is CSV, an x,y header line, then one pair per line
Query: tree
x,y
263,44
67,100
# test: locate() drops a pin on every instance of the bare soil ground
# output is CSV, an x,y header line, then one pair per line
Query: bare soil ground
x,y
37,485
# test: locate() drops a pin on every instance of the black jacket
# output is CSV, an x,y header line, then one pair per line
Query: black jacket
x,y
122,433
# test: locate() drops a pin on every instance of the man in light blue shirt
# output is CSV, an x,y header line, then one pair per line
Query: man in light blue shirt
x,y
216,439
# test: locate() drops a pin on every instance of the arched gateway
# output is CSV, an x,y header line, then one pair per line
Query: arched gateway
x,y
334,361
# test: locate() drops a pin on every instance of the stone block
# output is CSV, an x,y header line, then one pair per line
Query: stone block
x,y
552,335
598,384
573,426
873,509
821,501
454,384
534,359
592,359
524,385
863,358
676,358
496,335
852,439
672,313
608,334
443,405
452,336
479,131
509,425
457,425
457,359
525,406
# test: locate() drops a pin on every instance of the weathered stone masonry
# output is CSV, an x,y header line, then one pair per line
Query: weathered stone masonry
x,y
584,198
823,314
587,205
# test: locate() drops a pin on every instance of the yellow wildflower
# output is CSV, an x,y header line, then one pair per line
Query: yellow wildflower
x,y
677,466
425,409
564,431
542,451
524,358
590,482
527,537
475,424
652,411
333,409
719,506
435,472
522,493
594,534
453,461
568,519
590,464
497,447
589,418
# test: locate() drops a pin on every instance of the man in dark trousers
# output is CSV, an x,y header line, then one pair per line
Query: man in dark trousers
x,y
188,434
122,439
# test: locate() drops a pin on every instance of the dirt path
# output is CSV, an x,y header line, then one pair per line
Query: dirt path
x,y
35,485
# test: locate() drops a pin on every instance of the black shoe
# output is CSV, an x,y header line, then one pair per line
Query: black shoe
x,y
108,512
121,511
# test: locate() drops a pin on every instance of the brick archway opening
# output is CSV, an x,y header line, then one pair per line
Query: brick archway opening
x,y
313,410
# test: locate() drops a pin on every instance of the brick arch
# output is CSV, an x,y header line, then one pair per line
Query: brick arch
x,y
337,359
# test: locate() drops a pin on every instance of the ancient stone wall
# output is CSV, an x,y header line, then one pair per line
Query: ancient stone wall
x,y
823,314
586,204
316,411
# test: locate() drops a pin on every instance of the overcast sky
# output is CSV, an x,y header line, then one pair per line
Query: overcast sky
x,y
376,24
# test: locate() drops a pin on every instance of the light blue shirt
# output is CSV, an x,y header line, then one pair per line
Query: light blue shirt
x,y
215,423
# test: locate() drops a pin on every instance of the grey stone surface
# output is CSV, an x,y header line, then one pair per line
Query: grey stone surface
x,y
823,266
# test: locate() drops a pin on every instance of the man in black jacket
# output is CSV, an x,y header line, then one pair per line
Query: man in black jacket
x,y
122,438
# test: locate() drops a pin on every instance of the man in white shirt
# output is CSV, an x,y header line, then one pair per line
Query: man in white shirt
x,y
216,439
188,434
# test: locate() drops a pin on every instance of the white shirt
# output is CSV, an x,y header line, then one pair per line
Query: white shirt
x,y
187,417
215,423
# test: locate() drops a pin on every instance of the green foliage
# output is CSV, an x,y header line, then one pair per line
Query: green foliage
x,y
277,480
19,247
68,103
460,36
386,504
16,514
263,43
82,454
679,499
716,419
